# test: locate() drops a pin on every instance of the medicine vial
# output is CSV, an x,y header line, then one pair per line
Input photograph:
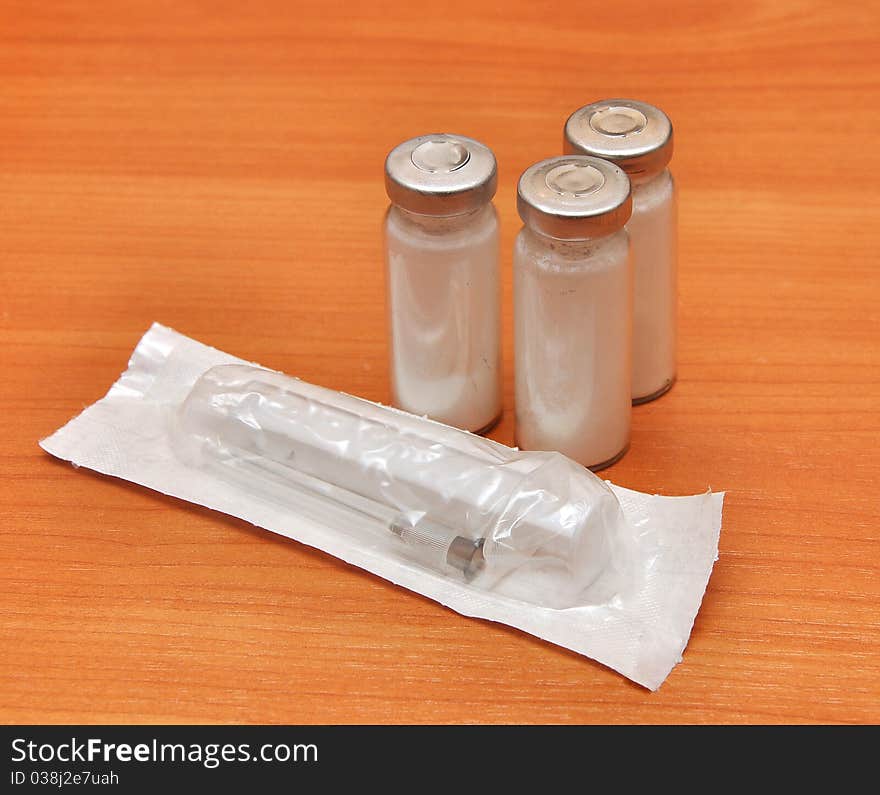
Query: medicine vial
x,y
443,289
573,310
638,138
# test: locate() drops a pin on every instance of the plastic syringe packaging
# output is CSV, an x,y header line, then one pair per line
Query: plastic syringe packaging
x,y
528,538
532,526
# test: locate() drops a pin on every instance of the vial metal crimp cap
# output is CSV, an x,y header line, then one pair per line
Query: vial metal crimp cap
x,y
441,174
634,135
574,197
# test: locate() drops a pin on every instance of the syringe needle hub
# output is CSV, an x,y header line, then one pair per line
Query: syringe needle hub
x,y
439,545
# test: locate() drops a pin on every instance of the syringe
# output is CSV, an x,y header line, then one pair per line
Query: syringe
x,y
459,502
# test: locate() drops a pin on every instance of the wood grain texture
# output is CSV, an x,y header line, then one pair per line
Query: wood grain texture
x,y
218,168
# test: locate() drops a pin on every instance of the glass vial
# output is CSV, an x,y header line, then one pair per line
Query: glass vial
x,y
573,310
638,138
443,289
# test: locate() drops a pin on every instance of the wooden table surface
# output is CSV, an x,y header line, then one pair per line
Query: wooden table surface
x,y
218,167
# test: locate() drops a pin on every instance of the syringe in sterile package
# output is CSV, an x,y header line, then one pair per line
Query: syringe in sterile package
x,y
460,504
531,540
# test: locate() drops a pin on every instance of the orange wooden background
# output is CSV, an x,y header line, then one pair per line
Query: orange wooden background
x,y
217,166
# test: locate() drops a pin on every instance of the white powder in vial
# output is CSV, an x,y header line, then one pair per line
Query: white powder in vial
x,y
443,305
572,310
653,233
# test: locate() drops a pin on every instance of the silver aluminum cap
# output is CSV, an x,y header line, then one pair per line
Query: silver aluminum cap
x,y
441,174
574,197
634,135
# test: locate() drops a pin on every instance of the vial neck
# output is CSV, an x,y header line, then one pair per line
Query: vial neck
x,y
438,224
645,181
569,249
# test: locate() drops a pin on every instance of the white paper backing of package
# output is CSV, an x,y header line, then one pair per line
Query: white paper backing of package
x,y
632,611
